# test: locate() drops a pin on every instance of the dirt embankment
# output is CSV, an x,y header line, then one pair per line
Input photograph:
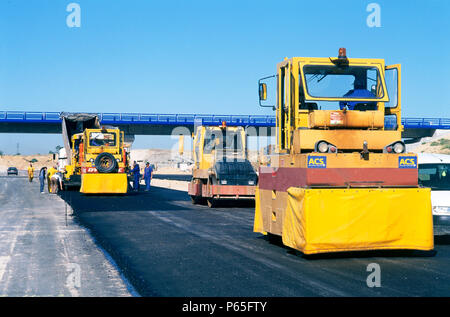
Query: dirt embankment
x,y
437,144
21,162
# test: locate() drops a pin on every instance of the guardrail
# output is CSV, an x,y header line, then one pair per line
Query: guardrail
x,y
191,119
433,123
174,119
143,118
22,116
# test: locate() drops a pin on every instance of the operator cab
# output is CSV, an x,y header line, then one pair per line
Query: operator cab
x,y
102,139
223,140
335,83
349,82
353,86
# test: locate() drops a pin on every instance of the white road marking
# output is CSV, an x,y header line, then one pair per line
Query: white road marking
x,y
25,232
4,260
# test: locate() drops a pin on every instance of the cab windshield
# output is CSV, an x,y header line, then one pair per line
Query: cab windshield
x,y
102,139
222,141
349,82
435,176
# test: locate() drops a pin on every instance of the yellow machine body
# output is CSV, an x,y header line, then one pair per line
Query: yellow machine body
x,y
82,170
73,169
337,220
102,183
340,179
221,168
205,151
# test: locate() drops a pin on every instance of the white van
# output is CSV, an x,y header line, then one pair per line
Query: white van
x,y
434,172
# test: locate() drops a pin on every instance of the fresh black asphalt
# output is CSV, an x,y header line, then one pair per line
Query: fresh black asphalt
x,y
166,246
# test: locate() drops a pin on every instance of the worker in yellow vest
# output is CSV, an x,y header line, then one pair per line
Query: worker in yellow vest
x,y
52,170
30,172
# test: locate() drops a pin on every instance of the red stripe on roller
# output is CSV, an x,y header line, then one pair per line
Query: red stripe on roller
x,y
282,178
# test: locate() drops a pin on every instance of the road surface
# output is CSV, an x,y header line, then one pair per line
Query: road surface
x,y
166,246
43,253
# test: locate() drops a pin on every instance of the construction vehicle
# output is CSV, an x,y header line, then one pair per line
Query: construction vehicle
x,y
96,157
221,168
341,179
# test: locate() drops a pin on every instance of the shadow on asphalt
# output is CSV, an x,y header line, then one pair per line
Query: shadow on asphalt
x,y
157,199
369,254
442,239
230,203
276,240
244,203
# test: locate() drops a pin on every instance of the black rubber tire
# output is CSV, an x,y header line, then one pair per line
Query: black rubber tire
x,y
103,159
194,199
211,202
274,239
213,180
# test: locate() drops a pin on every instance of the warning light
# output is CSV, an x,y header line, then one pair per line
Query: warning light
x,y
342,52
224,124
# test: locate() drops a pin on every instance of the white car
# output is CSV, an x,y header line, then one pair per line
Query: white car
x,y
434,172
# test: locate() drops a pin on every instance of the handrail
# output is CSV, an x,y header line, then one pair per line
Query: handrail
x,y
207,119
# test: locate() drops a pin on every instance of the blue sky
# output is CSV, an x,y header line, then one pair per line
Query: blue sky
x,y
202,56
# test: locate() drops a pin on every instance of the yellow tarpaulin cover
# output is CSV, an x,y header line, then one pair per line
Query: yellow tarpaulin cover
x,y
104,183
333,220
258,221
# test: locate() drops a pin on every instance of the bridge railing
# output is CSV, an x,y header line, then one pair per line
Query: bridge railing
x,y
188,119
18,116
433,123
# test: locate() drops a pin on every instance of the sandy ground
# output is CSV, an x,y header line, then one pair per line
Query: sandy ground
x,y
162,175
21,162
168,158
439,143
170,184
171,171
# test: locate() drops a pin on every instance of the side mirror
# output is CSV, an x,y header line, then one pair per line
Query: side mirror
x,y
262,91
